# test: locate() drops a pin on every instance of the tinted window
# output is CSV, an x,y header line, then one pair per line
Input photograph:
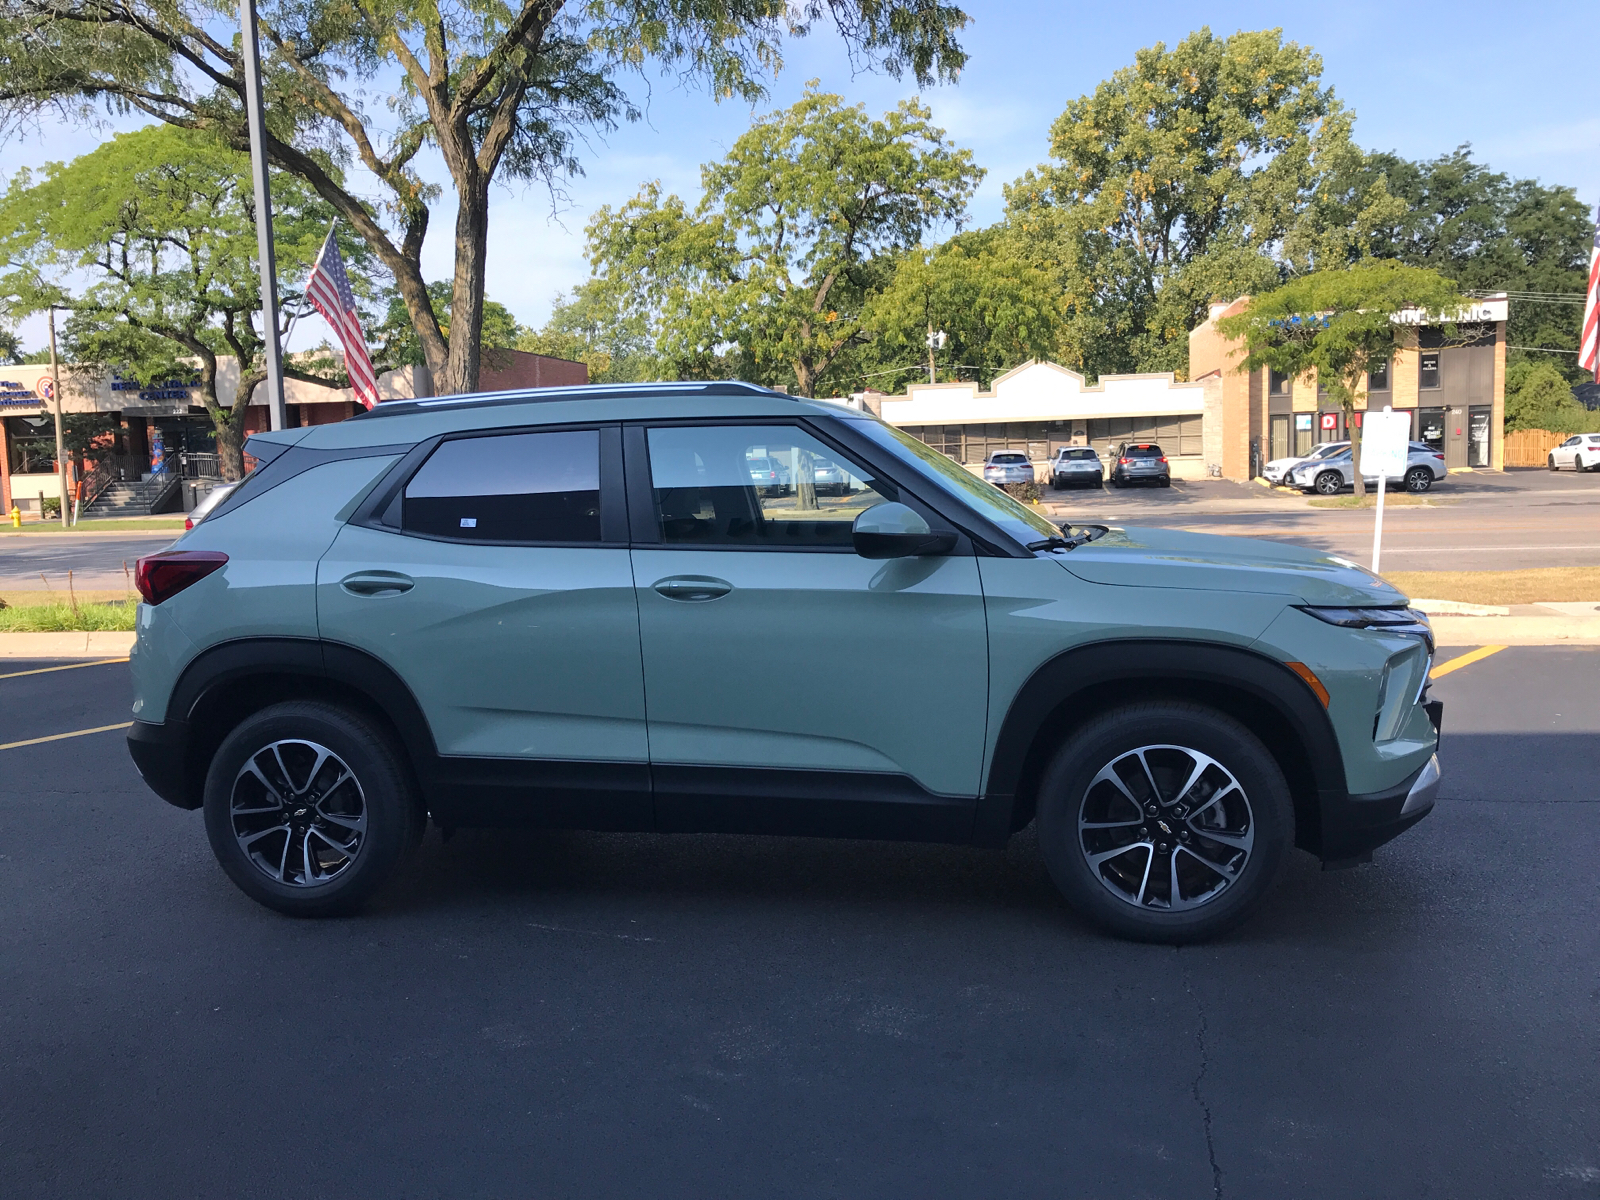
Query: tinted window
x,y
753,485
1078,454
1009,458
518,487
1142,452
1378,378
1428,370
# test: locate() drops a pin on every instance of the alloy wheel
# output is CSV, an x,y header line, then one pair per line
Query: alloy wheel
x,y
298,812
1329,482
1165,828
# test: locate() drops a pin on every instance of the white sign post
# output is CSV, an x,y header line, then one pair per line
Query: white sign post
x,y
1385,448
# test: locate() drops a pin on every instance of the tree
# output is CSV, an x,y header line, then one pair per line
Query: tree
x,y
997,310
1538,396
162,223
1340,325
799,226
500,90
1215,168
1492,233
395,337
590,327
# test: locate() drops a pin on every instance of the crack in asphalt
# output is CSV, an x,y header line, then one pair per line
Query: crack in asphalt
x,y
1199,1096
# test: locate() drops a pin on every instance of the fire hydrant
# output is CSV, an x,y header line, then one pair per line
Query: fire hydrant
x,y
16,517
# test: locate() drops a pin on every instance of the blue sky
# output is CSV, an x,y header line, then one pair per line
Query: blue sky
x,y
1421,78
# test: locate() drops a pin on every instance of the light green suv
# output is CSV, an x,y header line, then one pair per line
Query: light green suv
x,y
594,608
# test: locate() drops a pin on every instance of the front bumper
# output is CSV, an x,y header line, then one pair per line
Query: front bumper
x,y
161,753
1354,826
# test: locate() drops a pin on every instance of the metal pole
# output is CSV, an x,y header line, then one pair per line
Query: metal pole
x,y
61,442
265,258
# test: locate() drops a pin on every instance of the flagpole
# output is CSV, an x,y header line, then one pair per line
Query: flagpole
x,y
266,259
315,263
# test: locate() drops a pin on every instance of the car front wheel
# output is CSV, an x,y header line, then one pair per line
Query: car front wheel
x,y
1419,479
1329,483
310,808
1164,822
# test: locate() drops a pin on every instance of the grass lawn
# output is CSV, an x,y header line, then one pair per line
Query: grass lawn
x,y
1370,500
44,612
101,525
1501,587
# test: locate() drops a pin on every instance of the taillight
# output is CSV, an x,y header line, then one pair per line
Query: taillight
x,y
1440,457
1163,458
1123,461
188,524
162,576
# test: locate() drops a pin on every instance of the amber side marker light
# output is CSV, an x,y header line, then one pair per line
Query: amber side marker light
x,y
162,576
1311,679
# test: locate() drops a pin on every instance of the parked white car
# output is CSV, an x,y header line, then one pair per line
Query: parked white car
x,y
1331,475
1276,471
1581,452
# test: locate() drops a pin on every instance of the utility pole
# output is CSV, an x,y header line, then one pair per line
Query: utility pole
x,y
61,441
934,341
265,257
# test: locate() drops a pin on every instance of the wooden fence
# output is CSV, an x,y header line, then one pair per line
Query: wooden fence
x,y
1531,447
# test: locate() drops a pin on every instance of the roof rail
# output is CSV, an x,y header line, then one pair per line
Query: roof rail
x,y
724,387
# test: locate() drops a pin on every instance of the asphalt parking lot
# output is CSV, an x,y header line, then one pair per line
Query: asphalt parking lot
x,y
593,1015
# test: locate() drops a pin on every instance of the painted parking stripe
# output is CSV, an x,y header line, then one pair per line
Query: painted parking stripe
x,y
69,667
1464,660
56,737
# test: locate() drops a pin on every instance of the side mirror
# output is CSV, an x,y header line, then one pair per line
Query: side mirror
x,y
891,530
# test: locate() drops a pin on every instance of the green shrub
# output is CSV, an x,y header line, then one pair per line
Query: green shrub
x,y
52,506
1539,397
1028,493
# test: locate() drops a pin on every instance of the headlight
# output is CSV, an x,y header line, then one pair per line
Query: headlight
x,y
1390,620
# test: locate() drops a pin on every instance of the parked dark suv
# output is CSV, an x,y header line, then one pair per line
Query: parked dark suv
x,y
1141,462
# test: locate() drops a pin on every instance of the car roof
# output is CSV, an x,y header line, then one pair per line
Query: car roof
x,y
402,422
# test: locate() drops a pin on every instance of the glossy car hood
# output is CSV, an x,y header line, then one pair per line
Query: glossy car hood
x,y
1171,558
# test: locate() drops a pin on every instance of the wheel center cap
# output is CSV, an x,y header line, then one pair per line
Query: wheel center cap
x,y
1165,828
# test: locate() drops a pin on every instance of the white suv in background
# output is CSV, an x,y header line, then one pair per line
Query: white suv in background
x,y
1581,452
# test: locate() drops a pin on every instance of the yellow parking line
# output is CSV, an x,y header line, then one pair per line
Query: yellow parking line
x,y
69,667
1464,660
56,737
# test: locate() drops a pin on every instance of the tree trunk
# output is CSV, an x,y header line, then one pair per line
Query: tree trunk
x,y
228,422
1355,453
805,481
466,297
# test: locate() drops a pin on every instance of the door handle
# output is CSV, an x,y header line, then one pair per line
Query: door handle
x,y
377,583
693,587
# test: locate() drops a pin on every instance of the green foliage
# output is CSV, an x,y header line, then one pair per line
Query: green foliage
x,y
1339,324
1215,168
800,226
395,342
592,328
997,309
501,90
161,223
1538,396
1492,233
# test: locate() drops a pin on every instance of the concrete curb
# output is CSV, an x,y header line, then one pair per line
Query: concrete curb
x,y
1517,631
65,645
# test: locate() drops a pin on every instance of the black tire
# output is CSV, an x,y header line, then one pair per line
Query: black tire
x,y
1419,479
1329,483
379,793
1551,463
1101,892
1166,481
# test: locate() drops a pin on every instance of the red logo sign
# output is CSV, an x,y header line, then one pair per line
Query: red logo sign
x,y
1330,420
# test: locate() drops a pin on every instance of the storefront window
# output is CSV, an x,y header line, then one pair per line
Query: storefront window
x,y
1378,378
1303,433
1430,427
32,444
1428,370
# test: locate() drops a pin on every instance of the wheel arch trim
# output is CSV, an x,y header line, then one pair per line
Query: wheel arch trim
x,y
1152,664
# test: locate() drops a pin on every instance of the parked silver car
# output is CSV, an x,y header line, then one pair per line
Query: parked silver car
x,y
1330,476
1008,466
1076,465
1277,471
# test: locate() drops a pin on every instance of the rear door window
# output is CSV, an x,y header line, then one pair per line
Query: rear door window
x,y
514,487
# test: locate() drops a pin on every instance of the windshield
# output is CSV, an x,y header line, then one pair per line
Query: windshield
x,y
1331,448
1016,519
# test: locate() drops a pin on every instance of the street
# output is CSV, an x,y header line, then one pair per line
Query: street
x,y
590,1015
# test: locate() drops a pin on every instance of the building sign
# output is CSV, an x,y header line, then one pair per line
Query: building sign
x,y
1302,420
170,389
16,395
1330,420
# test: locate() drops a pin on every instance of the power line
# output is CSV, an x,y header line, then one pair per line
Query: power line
x,y
1541,349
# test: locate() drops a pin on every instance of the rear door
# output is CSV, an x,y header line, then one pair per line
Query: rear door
x,y
496,583
793,686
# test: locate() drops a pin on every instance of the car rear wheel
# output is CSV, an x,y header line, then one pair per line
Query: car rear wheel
x,y
1165,821
1329,483
1551,462
1419,479
1166,481
310,808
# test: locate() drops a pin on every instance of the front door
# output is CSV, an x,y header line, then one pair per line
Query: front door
x,y
505,603
791,685
1455,439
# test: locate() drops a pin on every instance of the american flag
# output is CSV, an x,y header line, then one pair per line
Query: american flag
x,y
1589,343
328,289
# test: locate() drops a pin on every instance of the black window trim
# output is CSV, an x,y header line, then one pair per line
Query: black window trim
x,y
976,535
381,510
